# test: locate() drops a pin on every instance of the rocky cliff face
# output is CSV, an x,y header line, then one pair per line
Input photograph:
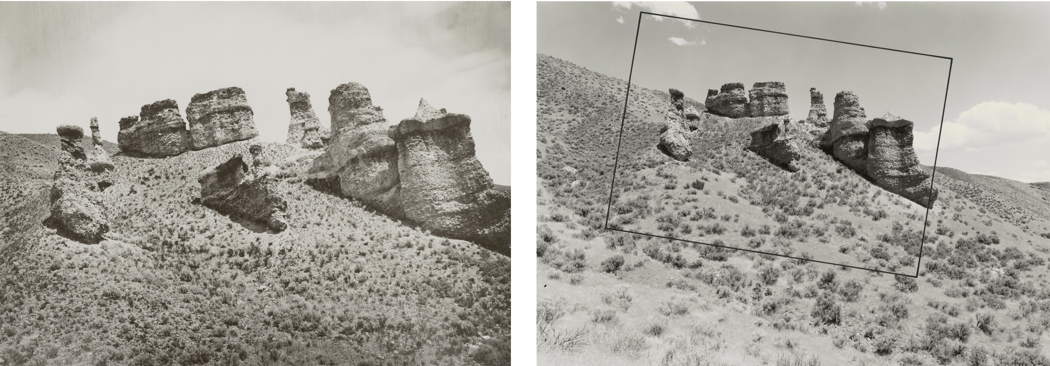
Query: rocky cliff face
x,y
304,129
157,131
443,185
233,189
769,143
818,113
76,208
219,117
892,163
98,159
730,101
768,99
361,160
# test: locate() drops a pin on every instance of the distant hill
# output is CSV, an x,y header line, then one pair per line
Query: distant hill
x,y
613,297
178,283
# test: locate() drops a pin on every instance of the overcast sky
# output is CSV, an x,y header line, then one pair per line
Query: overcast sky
x,y
997,119
67,62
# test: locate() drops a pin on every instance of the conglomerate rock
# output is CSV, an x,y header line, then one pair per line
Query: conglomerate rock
x,y
232,189
219,117
768,99
98,160
444,188
892,163
673,143
305,129
847,137
769,143
76,210
730,101
157,131
818,113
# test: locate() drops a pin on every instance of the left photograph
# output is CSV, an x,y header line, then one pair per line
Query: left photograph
x,y
255,183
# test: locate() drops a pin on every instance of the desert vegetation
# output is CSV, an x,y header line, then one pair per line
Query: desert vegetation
x,y
614,297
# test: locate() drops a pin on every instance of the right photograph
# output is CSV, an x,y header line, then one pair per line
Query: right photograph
x,y
793,183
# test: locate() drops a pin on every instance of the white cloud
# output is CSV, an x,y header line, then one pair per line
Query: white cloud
x,y
1032,177
680,41
880,4
990,124
675,8
620,19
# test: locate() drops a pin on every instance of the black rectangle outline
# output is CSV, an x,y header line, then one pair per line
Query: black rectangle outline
x,y
616,163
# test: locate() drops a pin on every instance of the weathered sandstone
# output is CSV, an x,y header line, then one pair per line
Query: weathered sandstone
x,y
219,117
768,99
770,144
157,131
232,189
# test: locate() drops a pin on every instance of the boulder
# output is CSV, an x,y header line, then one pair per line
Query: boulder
x,y
231,189
444,188
818,113
847,136
219,117
304,129
677,99
99,160
892,163
729,102
674,144
768,99
691,113
70,136
361,160
157,131
770,144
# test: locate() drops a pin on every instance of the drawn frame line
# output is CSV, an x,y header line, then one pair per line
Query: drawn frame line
x,y
623,119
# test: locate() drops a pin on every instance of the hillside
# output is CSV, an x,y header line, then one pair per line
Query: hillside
x,y
178,283
607,297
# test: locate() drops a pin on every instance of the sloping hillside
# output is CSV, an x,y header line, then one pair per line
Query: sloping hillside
x,y
608,297
178,283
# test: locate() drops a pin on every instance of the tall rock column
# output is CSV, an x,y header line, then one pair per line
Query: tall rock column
x,y
99,159
219,117
768,99
847,137
304,129
360,160
892,163
444,188
76,210
818,113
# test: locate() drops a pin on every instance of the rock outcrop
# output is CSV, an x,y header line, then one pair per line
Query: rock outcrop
x,y
157,131
98,160
444,188
361,161
731,101
673,143
768,99
892,163
770,144
818,113
305,129
233,189
847,136
677,99
219,117
691,113
76,209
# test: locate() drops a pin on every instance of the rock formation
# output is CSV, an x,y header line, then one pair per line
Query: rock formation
x,y
361,161
444,188
219,117
305,129
847,136
892,163
232,189
770,144
157,131
818,114
691,113
673,143
99,159
76,210
677,99
768,99
729,102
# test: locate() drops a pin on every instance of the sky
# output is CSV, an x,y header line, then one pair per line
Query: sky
x,y
997,107
63,63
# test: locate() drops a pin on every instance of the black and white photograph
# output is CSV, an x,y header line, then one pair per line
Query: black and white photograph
x,y
753,183
265,183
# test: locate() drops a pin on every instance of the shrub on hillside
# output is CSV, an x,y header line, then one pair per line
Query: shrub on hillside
x,y
826,310
612,264
906,284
